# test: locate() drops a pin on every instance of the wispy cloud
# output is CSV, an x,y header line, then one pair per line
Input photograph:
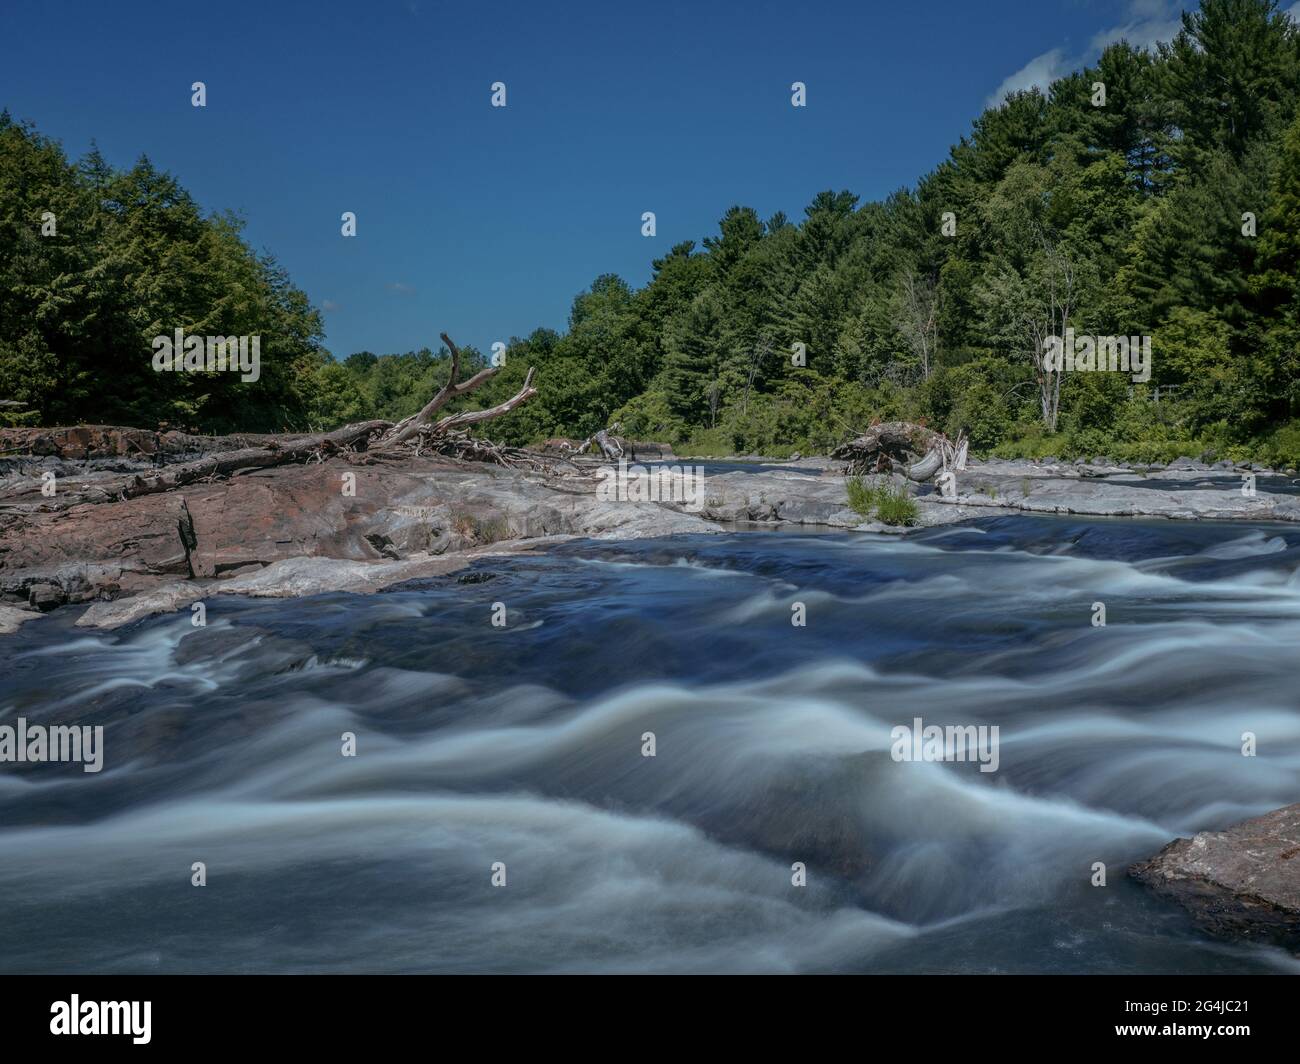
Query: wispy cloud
x,y
401,288
1145,23
328,305
1038,73
1148,21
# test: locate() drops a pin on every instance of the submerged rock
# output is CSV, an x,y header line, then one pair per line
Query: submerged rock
x,y
1240,883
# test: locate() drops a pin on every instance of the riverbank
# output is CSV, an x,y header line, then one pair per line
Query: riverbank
x,y
359,522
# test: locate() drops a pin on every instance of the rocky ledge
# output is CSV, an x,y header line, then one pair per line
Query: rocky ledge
x,y
361,521
1242,883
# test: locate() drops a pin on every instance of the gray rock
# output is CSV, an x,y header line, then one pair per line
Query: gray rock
x,y
12,618
46,596
289,530
166,599
1241,883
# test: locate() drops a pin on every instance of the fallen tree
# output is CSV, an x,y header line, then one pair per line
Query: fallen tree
x,y
408,427
610,446
906,447
419,431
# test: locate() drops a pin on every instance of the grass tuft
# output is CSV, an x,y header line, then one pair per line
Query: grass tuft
x,y
891,505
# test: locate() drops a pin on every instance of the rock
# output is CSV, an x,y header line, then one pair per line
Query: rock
x,y
46,597
558,445
166,599
295,577
89,442
650,449
12,618
1240,883
409,511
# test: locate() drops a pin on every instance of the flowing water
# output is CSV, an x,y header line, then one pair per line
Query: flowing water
x,y
523,745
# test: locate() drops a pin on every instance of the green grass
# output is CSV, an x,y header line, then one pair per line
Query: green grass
x,y
891,505
862,496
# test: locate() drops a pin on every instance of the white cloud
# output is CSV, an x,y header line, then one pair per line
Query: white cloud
x,y
1143,33
1145,23
329,305
1038,73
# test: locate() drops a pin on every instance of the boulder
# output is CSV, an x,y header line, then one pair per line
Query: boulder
x,y
1239,883
45,596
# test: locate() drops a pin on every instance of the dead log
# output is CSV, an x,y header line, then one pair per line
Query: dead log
x,y
886,446
408,427
225,463
912,449
611,446
279,450
472,417
926,467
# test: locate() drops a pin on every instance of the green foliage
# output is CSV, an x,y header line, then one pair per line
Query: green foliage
x,y
862,496
1123,219
1282,448
894,506
131,257
890,504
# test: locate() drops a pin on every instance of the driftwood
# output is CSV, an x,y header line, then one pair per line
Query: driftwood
x,y
903,446
408,427
225,463
446,436
611,446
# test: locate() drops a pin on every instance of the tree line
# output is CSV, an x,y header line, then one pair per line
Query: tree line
x,y
1155,193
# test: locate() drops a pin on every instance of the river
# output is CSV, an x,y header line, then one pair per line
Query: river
x,y
524,746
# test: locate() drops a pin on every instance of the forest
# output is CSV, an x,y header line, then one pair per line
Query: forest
x,y
1155,194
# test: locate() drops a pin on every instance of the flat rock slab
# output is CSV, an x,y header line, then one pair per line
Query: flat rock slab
x,y
1240,883
365,512
12,618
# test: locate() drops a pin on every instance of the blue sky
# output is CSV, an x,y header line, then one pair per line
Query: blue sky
x,y
485,222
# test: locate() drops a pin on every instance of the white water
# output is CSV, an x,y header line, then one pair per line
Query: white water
x,y
524,746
